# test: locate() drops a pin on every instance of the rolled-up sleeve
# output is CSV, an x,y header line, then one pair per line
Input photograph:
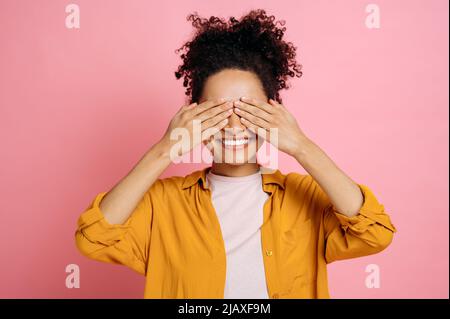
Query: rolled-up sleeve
x,y
368,232
126,244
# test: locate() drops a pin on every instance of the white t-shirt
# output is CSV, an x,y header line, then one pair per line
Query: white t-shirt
x,y
239,202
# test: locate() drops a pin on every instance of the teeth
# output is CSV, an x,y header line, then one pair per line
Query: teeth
x,y
235,142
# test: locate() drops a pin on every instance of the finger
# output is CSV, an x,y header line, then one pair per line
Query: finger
x,y
251,118
187,107
202,107
253,110
258,130
207,133
214,111
192,105
260,104
275,103
216,119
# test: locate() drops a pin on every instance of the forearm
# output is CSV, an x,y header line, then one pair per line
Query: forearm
x,y
343,193
121,200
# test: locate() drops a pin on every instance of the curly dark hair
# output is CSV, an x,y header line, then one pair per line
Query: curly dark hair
x,y
253,43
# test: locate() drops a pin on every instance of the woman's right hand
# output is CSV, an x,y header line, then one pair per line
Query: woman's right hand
x,y
120,202
211,116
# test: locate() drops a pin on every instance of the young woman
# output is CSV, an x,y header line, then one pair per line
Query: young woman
x,y
233,230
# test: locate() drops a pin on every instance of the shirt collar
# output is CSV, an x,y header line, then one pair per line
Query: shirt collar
x,y
199,176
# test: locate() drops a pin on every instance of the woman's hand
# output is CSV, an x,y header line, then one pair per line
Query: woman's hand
x,y
210,117
260,117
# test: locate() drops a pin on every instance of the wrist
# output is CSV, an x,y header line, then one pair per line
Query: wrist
x,y
304,147
162,149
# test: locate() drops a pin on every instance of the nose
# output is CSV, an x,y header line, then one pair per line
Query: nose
x,y
234,124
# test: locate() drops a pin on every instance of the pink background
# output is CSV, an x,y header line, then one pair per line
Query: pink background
x,y
78,108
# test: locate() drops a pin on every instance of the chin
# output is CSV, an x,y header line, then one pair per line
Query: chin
x,y
237,163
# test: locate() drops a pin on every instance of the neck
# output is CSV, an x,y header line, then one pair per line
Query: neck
x,y
225,169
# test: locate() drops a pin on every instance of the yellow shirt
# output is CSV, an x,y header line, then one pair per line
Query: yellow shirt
x,y
173,237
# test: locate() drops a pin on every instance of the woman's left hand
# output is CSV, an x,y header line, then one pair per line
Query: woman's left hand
x,y
259,117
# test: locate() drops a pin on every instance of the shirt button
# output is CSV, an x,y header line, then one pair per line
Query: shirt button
x,y
269,253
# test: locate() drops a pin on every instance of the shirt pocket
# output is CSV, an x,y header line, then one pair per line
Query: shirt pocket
x,y
297,255
297,238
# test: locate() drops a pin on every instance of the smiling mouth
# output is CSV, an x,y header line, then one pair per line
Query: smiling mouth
x,y
235,142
